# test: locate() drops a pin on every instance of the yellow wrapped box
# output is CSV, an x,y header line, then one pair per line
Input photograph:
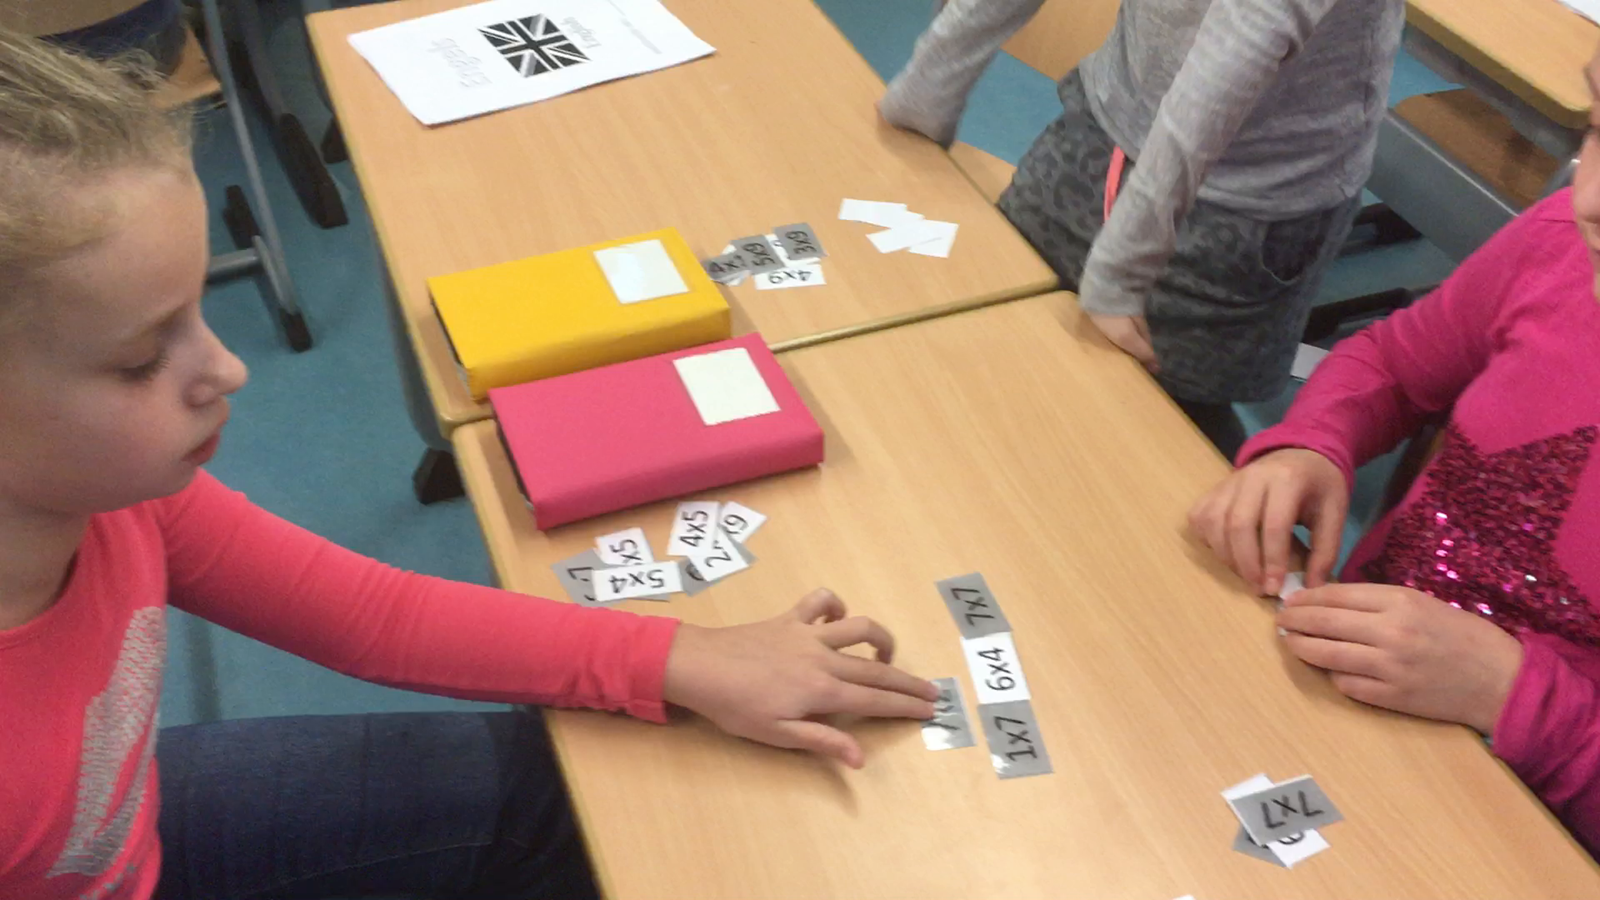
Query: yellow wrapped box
x,y
578,309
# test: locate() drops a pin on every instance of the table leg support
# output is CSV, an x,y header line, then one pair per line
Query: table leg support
x,y
437,477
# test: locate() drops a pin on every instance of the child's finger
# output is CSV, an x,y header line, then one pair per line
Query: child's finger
x,y
881,675
1326,535
1244,530
819,604
1356,596
856,700
1278,517
823,740
857,630
1335,655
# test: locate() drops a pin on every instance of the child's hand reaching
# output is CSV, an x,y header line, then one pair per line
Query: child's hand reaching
x,y
768,681
1248,520
1403,650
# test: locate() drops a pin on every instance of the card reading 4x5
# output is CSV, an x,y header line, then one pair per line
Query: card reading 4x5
x,y
1005,711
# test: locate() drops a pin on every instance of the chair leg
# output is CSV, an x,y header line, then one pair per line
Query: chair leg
x,y
301,160
437,478
253,219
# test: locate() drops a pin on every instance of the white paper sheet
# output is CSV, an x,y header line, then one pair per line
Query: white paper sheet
x,y
726,386
505,53
1589,9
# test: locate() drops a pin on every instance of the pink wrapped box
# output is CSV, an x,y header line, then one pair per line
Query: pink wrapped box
x,y
623,435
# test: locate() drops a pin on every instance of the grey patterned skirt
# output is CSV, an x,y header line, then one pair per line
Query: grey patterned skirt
x,y
1227,314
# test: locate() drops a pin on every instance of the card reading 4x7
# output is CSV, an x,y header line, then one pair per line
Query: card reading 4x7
x,y
1005,710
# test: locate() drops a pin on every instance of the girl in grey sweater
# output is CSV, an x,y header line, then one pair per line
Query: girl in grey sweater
x,y
1248,128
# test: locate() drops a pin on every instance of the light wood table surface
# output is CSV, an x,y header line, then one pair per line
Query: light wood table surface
x,y
776,127
1007,440
1534,48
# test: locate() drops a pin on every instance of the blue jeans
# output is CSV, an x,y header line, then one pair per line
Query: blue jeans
x,y
446,805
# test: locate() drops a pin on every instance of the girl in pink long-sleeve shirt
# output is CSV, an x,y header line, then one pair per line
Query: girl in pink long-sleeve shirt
x,y
1477,599
113,393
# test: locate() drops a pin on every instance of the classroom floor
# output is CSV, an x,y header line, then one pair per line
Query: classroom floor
x,y
323,439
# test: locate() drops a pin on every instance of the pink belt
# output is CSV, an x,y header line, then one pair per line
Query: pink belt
x,y
1114,177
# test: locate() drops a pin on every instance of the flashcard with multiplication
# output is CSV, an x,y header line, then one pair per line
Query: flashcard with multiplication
x,y
694,526
643,582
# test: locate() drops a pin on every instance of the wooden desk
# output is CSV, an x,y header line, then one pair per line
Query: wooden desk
x,y
777,127
999,441
1534,48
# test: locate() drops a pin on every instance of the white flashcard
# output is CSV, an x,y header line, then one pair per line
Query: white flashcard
x,y
1306,359
628,547
491,56
739,521
1285,851
721,560
996,671
875,212
908,235
797,275
726,386
639,272
693,528
1293,583
939,246
627,582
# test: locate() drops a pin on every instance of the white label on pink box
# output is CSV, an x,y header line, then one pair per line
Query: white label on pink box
x,y
726,386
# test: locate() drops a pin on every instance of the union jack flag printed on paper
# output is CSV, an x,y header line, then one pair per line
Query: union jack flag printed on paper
x,y
533,45
498,54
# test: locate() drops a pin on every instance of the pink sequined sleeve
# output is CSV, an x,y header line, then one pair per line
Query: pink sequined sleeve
x,y
1379,386
1549,730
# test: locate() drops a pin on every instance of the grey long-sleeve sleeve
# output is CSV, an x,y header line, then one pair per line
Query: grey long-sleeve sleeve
x,y
930,93
1235,57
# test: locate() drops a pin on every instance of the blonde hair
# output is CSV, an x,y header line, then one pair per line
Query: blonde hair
x,y
66,119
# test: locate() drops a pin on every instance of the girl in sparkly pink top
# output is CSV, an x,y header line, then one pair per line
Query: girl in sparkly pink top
x,y
1477,599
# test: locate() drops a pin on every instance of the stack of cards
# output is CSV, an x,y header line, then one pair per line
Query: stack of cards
x,y
1276,820
708,538
789,257
906,230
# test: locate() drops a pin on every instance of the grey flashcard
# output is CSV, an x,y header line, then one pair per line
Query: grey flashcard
x,y
729,268
973,606
1284,809
575,575
1015,745
799,242
759,252
949,728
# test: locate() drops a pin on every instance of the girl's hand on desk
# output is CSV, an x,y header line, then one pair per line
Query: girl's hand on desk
x,y
1403,650
1248,520
767,681
1131,335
